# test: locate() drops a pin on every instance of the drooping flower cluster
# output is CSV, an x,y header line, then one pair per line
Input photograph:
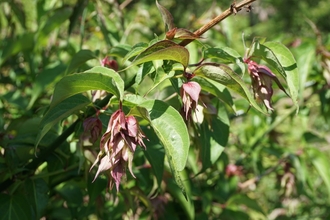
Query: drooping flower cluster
x,y
190,93
262,77
118,145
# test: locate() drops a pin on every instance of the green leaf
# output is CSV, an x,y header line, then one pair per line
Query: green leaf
x,y
155,154
80,58
216,89
136,49
120,50
14,207
163,50
36,191
57,19
187,205
12,46
161,76
172,133
241,199
281,59
62,110
224,75
97,78
322,164
45,78
214,137
225,55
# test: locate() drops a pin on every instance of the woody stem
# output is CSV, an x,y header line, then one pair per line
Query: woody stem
x,y
233,9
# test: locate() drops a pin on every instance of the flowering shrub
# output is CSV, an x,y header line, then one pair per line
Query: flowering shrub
x,y
97,94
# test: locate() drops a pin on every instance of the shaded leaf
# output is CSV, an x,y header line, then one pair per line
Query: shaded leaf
x,y
37,195
54,21
214,137
14,207
155,155
62,110
25,42
225,55
80,58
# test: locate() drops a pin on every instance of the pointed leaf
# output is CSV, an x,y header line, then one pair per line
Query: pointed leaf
x,y
163,50
15,207
55,20
62,110
216,89
136,49
97,78
171,131
224,75
166,15
37,195
161,76
79,59
182,33
225,55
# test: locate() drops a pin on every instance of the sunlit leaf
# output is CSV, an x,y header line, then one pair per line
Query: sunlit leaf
x,y
224,75
172,133
97,78
163,50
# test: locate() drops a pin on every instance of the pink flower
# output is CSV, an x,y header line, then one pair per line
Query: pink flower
x,y
262,77
118,145
190,93
110,63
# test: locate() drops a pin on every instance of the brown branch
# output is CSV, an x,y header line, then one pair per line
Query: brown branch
x,y
233,9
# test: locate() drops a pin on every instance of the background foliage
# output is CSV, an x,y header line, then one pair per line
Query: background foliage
x,y
259,166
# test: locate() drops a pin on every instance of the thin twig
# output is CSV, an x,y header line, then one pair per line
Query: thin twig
x,y
233,9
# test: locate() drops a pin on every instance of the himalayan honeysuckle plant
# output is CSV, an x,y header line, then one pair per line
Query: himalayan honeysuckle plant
x,y
127,89
219,75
